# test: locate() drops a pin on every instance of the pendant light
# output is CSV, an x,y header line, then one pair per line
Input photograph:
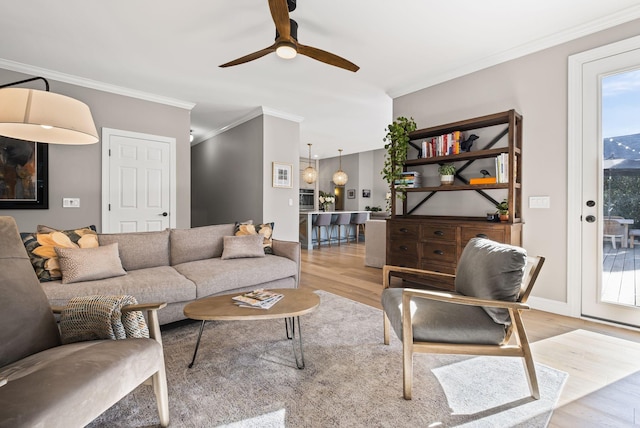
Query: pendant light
x,y
340,177
309,174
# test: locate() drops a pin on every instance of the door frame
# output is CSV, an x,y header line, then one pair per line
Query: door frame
x,y
106,135
574,163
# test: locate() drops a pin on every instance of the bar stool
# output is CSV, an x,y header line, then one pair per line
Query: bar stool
x,y
322,220
343,219
359,219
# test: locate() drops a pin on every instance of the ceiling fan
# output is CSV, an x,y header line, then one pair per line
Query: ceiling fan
x,y
286,44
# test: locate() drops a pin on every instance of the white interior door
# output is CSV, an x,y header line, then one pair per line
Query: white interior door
x,y
139,182
596,300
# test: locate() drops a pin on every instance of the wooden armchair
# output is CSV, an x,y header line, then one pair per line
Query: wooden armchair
x,y
493,283
45,383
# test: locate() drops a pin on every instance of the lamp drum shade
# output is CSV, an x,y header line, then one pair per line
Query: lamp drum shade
x,y
45,117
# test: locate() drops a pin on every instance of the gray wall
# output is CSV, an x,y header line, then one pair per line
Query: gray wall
x,y
75,171
226,176
231,176
536,86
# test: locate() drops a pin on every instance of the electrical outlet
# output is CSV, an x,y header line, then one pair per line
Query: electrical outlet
x,y
71,202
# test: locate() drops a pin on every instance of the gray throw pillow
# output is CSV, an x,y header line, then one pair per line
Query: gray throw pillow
x,y
89,264
491,270
236,247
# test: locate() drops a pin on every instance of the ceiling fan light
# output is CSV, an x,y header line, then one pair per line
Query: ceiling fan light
x,y
286,51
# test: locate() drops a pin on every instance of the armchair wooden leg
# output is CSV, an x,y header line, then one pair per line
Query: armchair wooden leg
x,y
162,395
530,369
386,326
407,370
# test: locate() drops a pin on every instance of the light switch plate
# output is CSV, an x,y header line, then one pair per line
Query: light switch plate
x,y
70,202
539,202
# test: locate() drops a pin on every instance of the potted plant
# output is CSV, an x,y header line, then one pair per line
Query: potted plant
x,y
447,173
397,143
503,210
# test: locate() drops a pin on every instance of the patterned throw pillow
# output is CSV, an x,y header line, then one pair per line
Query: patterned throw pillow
x,y
41,249
89,264
265,229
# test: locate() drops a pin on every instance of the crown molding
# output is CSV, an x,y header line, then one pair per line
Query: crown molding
x,y
258,111
570,34
93,84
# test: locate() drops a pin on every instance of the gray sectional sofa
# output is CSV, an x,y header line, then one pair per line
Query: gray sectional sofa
x,y
177,266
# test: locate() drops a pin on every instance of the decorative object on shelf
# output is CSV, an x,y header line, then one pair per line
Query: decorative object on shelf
x,y
466,144
372,209
447,173
282,175
397,143
340,177
23,174
503,210
309,174
366,193
43,116
351,194
325,200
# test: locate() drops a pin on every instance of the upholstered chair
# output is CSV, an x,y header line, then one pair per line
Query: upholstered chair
x,y
44,383
492,283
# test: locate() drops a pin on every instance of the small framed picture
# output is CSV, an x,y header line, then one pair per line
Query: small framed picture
x,y
282,175
366,193
351,194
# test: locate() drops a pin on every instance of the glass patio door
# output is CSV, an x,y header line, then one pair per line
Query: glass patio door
x,y
611,188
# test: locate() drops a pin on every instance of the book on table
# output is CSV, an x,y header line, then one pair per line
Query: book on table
x,y
258,299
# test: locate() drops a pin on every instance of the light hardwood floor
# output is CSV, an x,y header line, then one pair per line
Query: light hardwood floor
x,y
603,362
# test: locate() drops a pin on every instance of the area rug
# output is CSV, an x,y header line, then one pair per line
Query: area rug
x,y
245,376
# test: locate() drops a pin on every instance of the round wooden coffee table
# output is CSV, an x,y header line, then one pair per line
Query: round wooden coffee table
x,y
296,302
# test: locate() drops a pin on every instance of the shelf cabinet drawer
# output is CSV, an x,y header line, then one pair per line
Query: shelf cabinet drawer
x,y
495,234
449,268
401,230
438,232
439,252
403,252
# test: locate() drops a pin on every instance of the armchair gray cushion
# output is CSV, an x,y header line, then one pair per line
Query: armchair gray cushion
x,y
491,270
435,321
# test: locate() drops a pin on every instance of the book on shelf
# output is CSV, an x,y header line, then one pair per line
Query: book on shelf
x,y
483,180
502,168
258,299
409,179
441,145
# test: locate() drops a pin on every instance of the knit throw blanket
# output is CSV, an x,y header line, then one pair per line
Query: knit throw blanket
x,y
100,317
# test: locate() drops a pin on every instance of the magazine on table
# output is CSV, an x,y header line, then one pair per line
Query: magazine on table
x,y
258,299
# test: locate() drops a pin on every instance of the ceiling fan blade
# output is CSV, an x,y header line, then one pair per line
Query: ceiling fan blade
x,y
280,15
327,57
251,56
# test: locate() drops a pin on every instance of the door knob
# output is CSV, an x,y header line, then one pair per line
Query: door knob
x,y
590,218
164,214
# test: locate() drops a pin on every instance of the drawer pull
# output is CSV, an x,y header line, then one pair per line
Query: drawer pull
x,y
481,235
404,230
404,247
438,252
438,233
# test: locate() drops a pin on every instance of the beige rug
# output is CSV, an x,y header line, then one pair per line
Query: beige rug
x,y
245,376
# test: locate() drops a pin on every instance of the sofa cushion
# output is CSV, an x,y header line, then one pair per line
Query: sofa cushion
x,y
491,270
71,385
198,243
265,230
40,247
157,284
140,250
89,264
237,247
213,276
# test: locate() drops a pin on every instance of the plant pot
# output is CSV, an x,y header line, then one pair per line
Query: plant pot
x,y
446,179
504,217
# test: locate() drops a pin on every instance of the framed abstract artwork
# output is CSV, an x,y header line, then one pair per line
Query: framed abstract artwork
x,y
23,174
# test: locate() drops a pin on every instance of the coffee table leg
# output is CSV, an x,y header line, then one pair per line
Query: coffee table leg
x,y
195,352
290,324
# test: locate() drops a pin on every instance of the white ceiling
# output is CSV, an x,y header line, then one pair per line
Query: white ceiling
x,y
171,51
